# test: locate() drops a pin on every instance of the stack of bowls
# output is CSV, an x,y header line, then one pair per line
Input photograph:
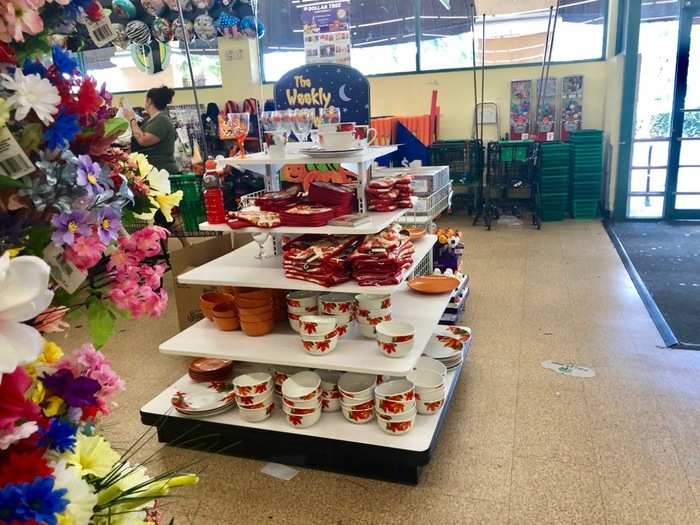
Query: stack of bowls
x,y
318,334
226,316
330,395
207,302
428,363
255,310
430,390
395,338
340,306
395,404
370,310
357,397
210,370
280,375
301,399
300,303
254,396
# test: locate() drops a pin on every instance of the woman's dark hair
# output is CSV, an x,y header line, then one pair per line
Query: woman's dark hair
x,y
161,96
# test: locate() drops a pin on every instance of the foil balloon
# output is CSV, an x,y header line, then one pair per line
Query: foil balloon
x,y
120,39
203,4
186,4
162,30
179,34
123,8
153,7
137,32
250,28
227,25
204,27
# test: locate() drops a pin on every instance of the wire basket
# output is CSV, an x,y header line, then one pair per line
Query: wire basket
x,y
425,266
426,209
464,157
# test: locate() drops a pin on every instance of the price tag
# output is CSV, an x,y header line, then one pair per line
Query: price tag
x,y
524,136
550,136
14,163
101,32
63,272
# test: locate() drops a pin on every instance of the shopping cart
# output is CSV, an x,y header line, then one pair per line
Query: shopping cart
x,y
466,161
511,182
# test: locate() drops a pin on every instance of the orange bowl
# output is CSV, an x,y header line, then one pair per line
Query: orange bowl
x,y
207,302
227,324
263,309
253,293
433,284
227,310
244,302
257,328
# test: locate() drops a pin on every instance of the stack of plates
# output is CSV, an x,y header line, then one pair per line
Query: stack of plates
x,y
208,369
198,400
449,345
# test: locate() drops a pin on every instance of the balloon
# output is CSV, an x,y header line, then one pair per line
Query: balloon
x,y
204,27
137,32
227,25
177,30
120,40
124,8
186,4
203,4
162,30
153,7
250,29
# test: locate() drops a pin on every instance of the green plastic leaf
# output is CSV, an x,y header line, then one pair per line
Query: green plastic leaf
x,y
8,182
31,137
38,238
115,126
100,323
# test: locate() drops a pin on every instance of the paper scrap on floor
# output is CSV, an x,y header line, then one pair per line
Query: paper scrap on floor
x,y
279,471
569,369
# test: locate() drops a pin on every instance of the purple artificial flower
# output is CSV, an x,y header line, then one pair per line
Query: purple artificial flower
x,y
67,225
89,174
75,391
108,224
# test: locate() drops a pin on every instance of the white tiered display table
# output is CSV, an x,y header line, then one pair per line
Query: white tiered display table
x,y
333,443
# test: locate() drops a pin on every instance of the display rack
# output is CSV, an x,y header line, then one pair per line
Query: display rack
x,y
333,443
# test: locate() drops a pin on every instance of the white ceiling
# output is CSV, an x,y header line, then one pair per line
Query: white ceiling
x,y
504,7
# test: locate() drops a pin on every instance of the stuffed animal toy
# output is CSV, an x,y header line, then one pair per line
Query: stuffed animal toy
x,y
448,250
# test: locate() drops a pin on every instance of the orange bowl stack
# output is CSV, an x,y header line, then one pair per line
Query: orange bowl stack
x,y
255,310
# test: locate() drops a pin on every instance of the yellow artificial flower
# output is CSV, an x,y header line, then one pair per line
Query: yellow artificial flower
x,y
39,393
4,112
14,252
143,164
92,455
51,353
54,406
166,203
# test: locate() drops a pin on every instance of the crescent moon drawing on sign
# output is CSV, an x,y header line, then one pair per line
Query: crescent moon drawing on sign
x,y
343,96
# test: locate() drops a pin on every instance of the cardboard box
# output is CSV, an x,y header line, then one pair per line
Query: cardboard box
x,y
186,295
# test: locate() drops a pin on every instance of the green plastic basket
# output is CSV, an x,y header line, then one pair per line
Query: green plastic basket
x,y
191,207
554,185
584,208
514,150
462,156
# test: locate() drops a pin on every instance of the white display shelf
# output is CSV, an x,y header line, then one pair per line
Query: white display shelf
x,y
332,425
282,346
378,221
294,157
241,268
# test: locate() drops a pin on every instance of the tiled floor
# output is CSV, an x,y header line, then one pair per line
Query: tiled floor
x,y
521,444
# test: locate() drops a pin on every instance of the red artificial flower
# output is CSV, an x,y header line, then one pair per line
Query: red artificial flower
x,y
90,412
7,54
94,11
13,404
23,467
88,98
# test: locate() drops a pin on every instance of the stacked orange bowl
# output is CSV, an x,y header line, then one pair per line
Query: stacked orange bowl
x,y
255,310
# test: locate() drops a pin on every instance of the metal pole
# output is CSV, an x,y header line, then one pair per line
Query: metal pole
x,y
476,92
483,70
194,86
549,60
544,63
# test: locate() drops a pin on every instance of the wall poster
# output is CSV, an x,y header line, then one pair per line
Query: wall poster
x,y
571,105
326,31
546,118
520,93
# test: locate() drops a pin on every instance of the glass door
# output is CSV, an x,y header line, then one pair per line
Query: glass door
x,y
683,188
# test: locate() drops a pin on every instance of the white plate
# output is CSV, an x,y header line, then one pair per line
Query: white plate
x,y
199,398
447,342
320,153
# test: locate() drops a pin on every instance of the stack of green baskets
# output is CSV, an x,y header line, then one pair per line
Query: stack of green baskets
x,y
586,172
554,180
192,205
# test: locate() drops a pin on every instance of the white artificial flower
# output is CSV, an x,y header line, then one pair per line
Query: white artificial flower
x,y
18,433
31,92
159,182
24,282
81,498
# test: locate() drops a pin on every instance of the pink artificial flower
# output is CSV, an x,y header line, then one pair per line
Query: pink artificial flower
x,y
152,275
148,240
14,406
157,303
17,433
122,259
90,358
21,16
85,252
95,365
51,320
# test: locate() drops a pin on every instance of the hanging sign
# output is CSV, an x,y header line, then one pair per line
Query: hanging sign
x,y
546,118
571,105
520,93
326,31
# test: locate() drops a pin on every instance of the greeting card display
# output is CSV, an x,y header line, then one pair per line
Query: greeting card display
x,y
520,95
545,119
571,105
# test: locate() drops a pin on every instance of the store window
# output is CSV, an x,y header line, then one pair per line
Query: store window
x,y
384,34
131,70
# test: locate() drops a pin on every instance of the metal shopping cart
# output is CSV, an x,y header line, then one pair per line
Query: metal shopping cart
x,y
466,161
511,182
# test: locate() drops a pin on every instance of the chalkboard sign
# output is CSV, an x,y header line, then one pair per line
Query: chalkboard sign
x,y
324,85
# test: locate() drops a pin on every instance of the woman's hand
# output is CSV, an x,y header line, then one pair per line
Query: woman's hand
x,y
128,113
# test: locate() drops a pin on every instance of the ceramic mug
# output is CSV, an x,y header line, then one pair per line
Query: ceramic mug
x,y
346,126
339,140
365,135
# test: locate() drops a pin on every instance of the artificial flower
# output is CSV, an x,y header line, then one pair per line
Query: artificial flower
x,y
63,60
38,390
51,353
87,100
68,225
20,16
52,406
31,92
62,131
164,203
51,320
146,241
4,111
59,436
7,53
108,224
17,433
81,498
24,282
94,11
19,466
75,391
94,364
89,174
85,252
92,455
35,502
33,67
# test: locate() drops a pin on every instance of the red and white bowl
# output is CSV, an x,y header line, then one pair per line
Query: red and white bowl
x,y
302,299
302,386
252,384
335,303
329,380
330,404
344,318
358,417
428,363
317,325
368,301
397,416
301,411
303,420
398,390
395,332
323,346
384,406
357,404
304,310
430,395
428,408
256,415
396,428
302,403
363,315
425,380
256,401
356,386
281,373
395,350
294,321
